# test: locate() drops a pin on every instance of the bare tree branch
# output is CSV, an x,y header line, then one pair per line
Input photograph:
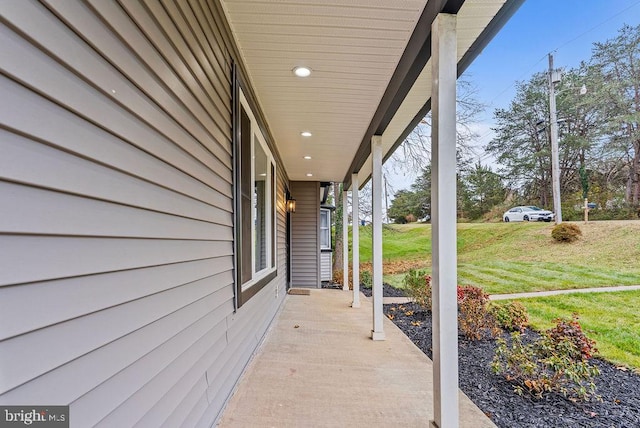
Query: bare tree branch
x,y
414,154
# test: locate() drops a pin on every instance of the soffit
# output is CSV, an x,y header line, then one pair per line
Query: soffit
x,y
353,48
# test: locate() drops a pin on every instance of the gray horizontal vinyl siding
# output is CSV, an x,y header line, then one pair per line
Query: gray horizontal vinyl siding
x,y
116,213
305,246
326,267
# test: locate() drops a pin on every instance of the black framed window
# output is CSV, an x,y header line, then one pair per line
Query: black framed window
x,y
255,207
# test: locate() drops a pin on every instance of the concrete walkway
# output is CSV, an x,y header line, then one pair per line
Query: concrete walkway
x,y
402,300
318,368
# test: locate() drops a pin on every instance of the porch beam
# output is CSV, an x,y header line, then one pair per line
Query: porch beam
x,y
355,214
376,204
443,214
345,240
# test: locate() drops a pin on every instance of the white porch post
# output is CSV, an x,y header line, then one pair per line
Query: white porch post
x,y
356,240
345,241
376,204
443,214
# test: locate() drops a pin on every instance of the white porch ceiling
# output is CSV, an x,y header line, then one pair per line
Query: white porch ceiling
x,y
353,48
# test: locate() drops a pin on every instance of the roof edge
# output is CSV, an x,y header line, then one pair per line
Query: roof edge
x,y
415,56
499,20
396,90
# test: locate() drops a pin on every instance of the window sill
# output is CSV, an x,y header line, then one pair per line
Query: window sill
x,y
251,289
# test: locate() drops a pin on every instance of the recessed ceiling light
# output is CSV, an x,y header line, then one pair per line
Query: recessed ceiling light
x,y
306,134
307,157
309,175
302,71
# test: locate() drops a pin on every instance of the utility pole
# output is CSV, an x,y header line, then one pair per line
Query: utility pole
x,y
554,76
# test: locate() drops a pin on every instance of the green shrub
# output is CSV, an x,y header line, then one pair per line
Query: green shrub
x,y
474,318
511,316
616,213
417,285
552,363
566,232
366,278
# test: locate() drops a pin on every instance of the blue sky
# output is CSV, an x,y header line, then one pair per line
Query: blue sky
x,y
568,28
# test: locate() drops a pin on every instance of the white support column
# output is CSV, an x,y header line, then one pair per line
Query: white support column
x,y
376,204
443,215
345,241
356,240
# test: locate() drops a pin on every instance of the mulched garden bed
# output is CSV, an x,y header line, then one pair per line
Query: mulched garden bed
x,y
387,291
619,389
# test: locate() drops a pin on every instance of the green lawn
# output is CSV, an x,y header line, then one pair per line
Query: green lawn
x,y
611,319
522,257
498,277
407,241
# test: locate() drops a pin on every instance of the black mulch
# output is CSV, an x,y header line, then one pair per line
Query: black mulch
x,y
619,389
387,291
332,285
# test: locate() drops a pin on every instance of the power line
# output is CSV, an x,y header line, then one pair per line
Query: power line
x,y
528,72
596,26
535,65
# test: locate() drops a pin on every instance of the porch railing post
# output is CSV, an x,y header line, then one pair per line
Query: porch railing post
x,y
355,214
376,204
345,241
443,214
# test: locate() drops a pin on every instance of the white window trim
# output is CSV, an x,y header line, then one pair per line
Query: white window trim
x,y
270,214
328,228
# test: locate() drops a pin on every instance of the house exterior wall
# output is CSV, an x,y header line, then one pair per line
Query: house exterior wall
x,y
116,214
305,244
326,265
326,249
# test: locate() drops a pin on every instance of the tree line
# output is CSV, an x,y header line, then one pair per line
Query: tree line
x,y
598,135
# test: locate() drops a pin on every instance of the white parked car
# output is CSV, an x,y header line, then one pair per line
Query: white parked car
x,y
527,213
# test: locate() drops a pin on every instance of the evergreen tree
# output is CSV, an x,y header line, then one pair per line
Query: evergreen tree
x,y
618,61
481,190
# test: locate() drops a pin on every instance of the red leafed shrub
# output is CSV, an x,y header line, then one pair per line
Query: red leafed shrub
x,y
569,331
558,361
474,317
472,292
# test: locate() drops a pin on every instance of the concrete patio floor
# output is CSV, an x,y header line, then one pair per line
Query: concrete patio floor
x,y
318,368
